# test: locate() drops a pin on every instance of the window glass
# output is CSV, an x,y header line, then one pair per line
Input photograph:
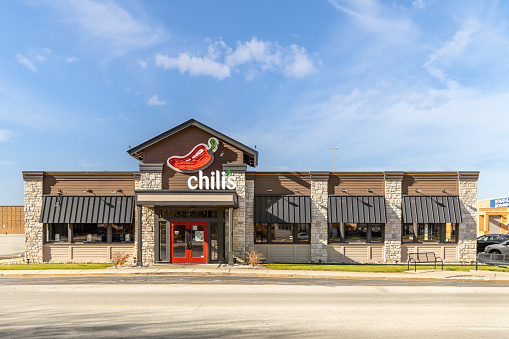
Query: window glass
x,y
57,233
450,232
214,245
483,238
302,233
121,232
428,232
377,232
335,233
90,233
261,232
355,232
282,233
408,232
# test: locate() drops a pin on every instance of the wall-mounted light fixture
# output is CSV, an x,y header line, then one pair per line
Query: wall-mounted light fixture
x,y
418,191
344,191
60,191
88,191
445,191
296,190
370,190
269,190
117,191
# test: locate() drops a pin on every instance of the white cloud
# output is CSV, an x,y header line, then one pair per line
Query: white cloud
x,y
5,162
110,27
419,4
154,101
299,64
4,135
141,62
194,65
70,60
24,61
383,21
440,59
251,57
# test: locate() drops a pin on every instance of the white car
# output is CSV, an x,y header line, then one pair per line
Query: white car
x,y
502,248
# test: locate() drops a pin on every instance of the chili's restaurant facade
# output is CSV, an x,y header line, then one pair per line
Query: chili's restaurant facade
x,y
194,200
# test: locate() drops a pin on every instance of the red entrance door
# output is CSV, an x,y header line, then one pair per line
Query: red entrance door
x,y
189,241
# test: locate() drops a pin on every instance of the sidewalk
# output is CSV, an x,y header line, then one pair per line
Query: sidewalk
x,y
243,271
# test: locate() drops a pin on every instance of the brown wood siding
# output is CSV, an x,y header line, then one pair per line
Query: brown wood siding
x,y
448,252
52,184
182,143
285,253
429,186
356,186
282,186
348,253
12,220
85,252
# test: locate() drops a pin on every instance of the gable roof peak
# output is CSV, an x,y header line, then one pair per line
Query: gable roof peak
x,y
250,155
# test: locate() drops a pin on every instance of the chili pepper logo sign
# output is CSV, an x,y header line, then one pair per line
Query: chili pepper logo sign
x,y
200,157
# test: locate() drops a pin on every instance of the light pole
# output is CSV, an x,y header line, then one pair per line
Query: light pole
x,y
334,148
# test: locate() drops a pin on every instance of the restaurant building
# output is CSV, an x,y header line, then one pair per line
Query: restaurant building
x,y
493,216
196,198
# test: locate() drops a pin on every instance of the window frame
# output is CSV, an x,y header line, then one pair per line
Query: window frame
x,y
443,227
342,233
71,234
295,233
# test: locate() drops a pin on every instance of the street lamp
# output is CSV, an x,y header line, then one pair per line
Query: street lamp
x,y
334,148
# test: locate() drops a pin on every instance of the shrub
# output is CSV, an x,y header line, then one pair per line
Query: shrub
x,y
118,258
254,258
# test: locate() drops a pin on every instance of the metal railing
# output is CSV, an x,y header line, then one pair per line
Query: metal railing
x,y
492,259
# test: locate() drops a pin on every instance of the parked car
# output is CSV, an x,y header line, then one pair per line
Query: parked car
x,y
490,239
502,248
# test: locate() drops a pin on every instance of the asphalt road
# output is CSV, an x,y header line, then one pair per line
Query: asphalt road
x,y
211,307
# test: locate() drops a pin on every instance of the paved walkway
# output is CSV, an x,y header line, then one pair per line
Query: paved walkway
x,y
243,271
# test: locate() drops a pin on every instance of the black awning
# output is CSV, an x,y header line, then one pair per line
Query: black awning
x,y
431,209
283,209
357,209
87,209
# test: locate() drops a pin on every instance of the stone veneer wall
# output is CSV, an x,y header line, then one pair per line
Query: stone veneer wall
x,y
148,181
393,225
33,228
319,224
467,242
239,217
249,207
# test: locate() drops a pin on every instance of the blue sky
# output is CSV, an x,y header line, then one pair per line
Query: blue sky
x,y
398,85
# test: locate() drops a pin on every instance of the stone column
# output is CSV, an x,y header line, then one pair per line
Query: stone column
x,y
33,228
250,226
319,224
238,171
467,242
151,179
392,241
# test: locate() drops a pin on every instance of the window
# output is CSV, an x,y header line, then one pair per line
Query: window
x,y
356,233
57,233
90,233
430,233
275,233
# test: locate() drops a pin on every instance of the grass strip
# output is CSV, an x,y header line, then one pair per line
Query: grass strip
x,y
53,266
378,268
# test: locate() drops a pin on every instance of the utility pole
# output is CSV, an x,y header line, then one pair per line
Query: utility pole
x,y
334,148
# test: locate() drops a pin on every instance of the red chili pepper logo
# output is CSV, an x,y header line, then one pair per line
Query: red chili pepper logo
x,y
200,157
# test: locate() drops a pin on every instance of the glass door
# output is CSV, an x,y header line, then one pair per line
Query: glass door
x,y
189,241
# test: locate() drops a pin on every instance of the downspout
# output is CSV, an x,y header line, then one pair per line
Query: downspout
x,y
139,261
230,238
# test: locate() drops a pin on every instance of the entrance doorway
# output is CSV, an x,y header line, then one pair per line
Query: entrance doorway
x,y
188,243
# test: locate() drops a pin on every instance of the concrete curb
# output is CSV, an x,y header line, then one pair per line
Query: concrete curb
x,y
81,273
